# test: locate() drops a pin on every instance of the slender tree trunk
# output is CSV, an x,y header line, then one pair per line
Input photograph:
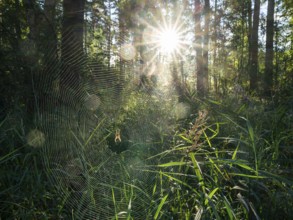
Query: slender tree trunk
x,y
241,68
50,30
30,59
206,47
122,32
138,7
269,58
276,54
198,47
31,18
109,35
50,11
72,43
254,47
215,37
249,23
17,24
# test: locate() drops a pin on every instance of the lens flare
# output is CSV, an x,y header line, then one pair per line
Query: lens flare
x,y
127,52
35,138
168,41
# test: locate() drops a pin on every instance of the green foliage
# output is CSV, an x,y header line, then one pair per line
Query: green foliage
x,y
143,113
228,162
230,176
25,190
127,148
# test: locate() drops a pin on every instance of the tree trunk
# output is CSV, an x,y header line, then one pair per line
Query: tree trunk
x,y
31,18
269,58
254,47
249,15
215,46
206,47
109,35
30,59
139,27
50,12
122,32
17,24
72,43
50,32
198,48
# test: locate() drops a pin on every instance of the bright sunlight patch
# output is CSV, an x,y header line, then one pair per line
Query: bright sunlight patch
x,y
169,41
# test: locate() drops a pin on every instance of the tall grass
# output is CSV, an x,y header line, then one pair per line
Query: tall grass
x,y
25,192
224,162
213,175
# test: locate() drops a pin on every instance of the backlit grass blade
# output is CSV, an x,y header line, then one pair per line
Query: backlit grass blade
x,y
196,167
198,171
229,209
252,139
186,139
235,152
94,131
170,164
211,194
248,176
160,207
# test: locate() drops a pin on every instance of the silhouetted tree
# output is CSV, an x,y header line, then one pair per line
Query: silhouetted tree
x,y
254,47
72,42
198,47
269,58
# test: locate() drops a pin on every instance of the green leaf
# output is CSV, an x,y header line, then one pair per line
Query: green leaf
x,y
185,138
160,207
250,130
211,195
245,167
170,164
215,212
235,152
229,209
196,167
248,176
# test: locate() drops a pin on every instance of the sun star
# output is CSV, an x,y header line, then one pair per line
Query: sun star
x,y
168,41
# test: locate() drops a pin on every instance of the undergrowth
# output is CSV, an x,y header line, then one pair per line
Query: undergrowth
x,y
25,190
228,160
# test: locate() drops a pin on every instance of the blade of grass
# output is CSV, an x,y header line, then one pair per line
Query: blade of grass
x,y
114,202
198,214
170,164
215,212
235,152
252,139
211,194
229,209
196,166
248,176
198,171
160,207
94,131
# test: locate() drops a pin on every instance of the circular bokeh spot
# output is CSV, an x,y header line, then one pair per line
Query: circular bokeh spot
x,y
92,102
149,35
127,52
35,138
182,110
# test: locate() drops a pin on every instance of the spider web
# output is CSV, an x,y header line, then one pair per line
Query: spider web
x,y
98,177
